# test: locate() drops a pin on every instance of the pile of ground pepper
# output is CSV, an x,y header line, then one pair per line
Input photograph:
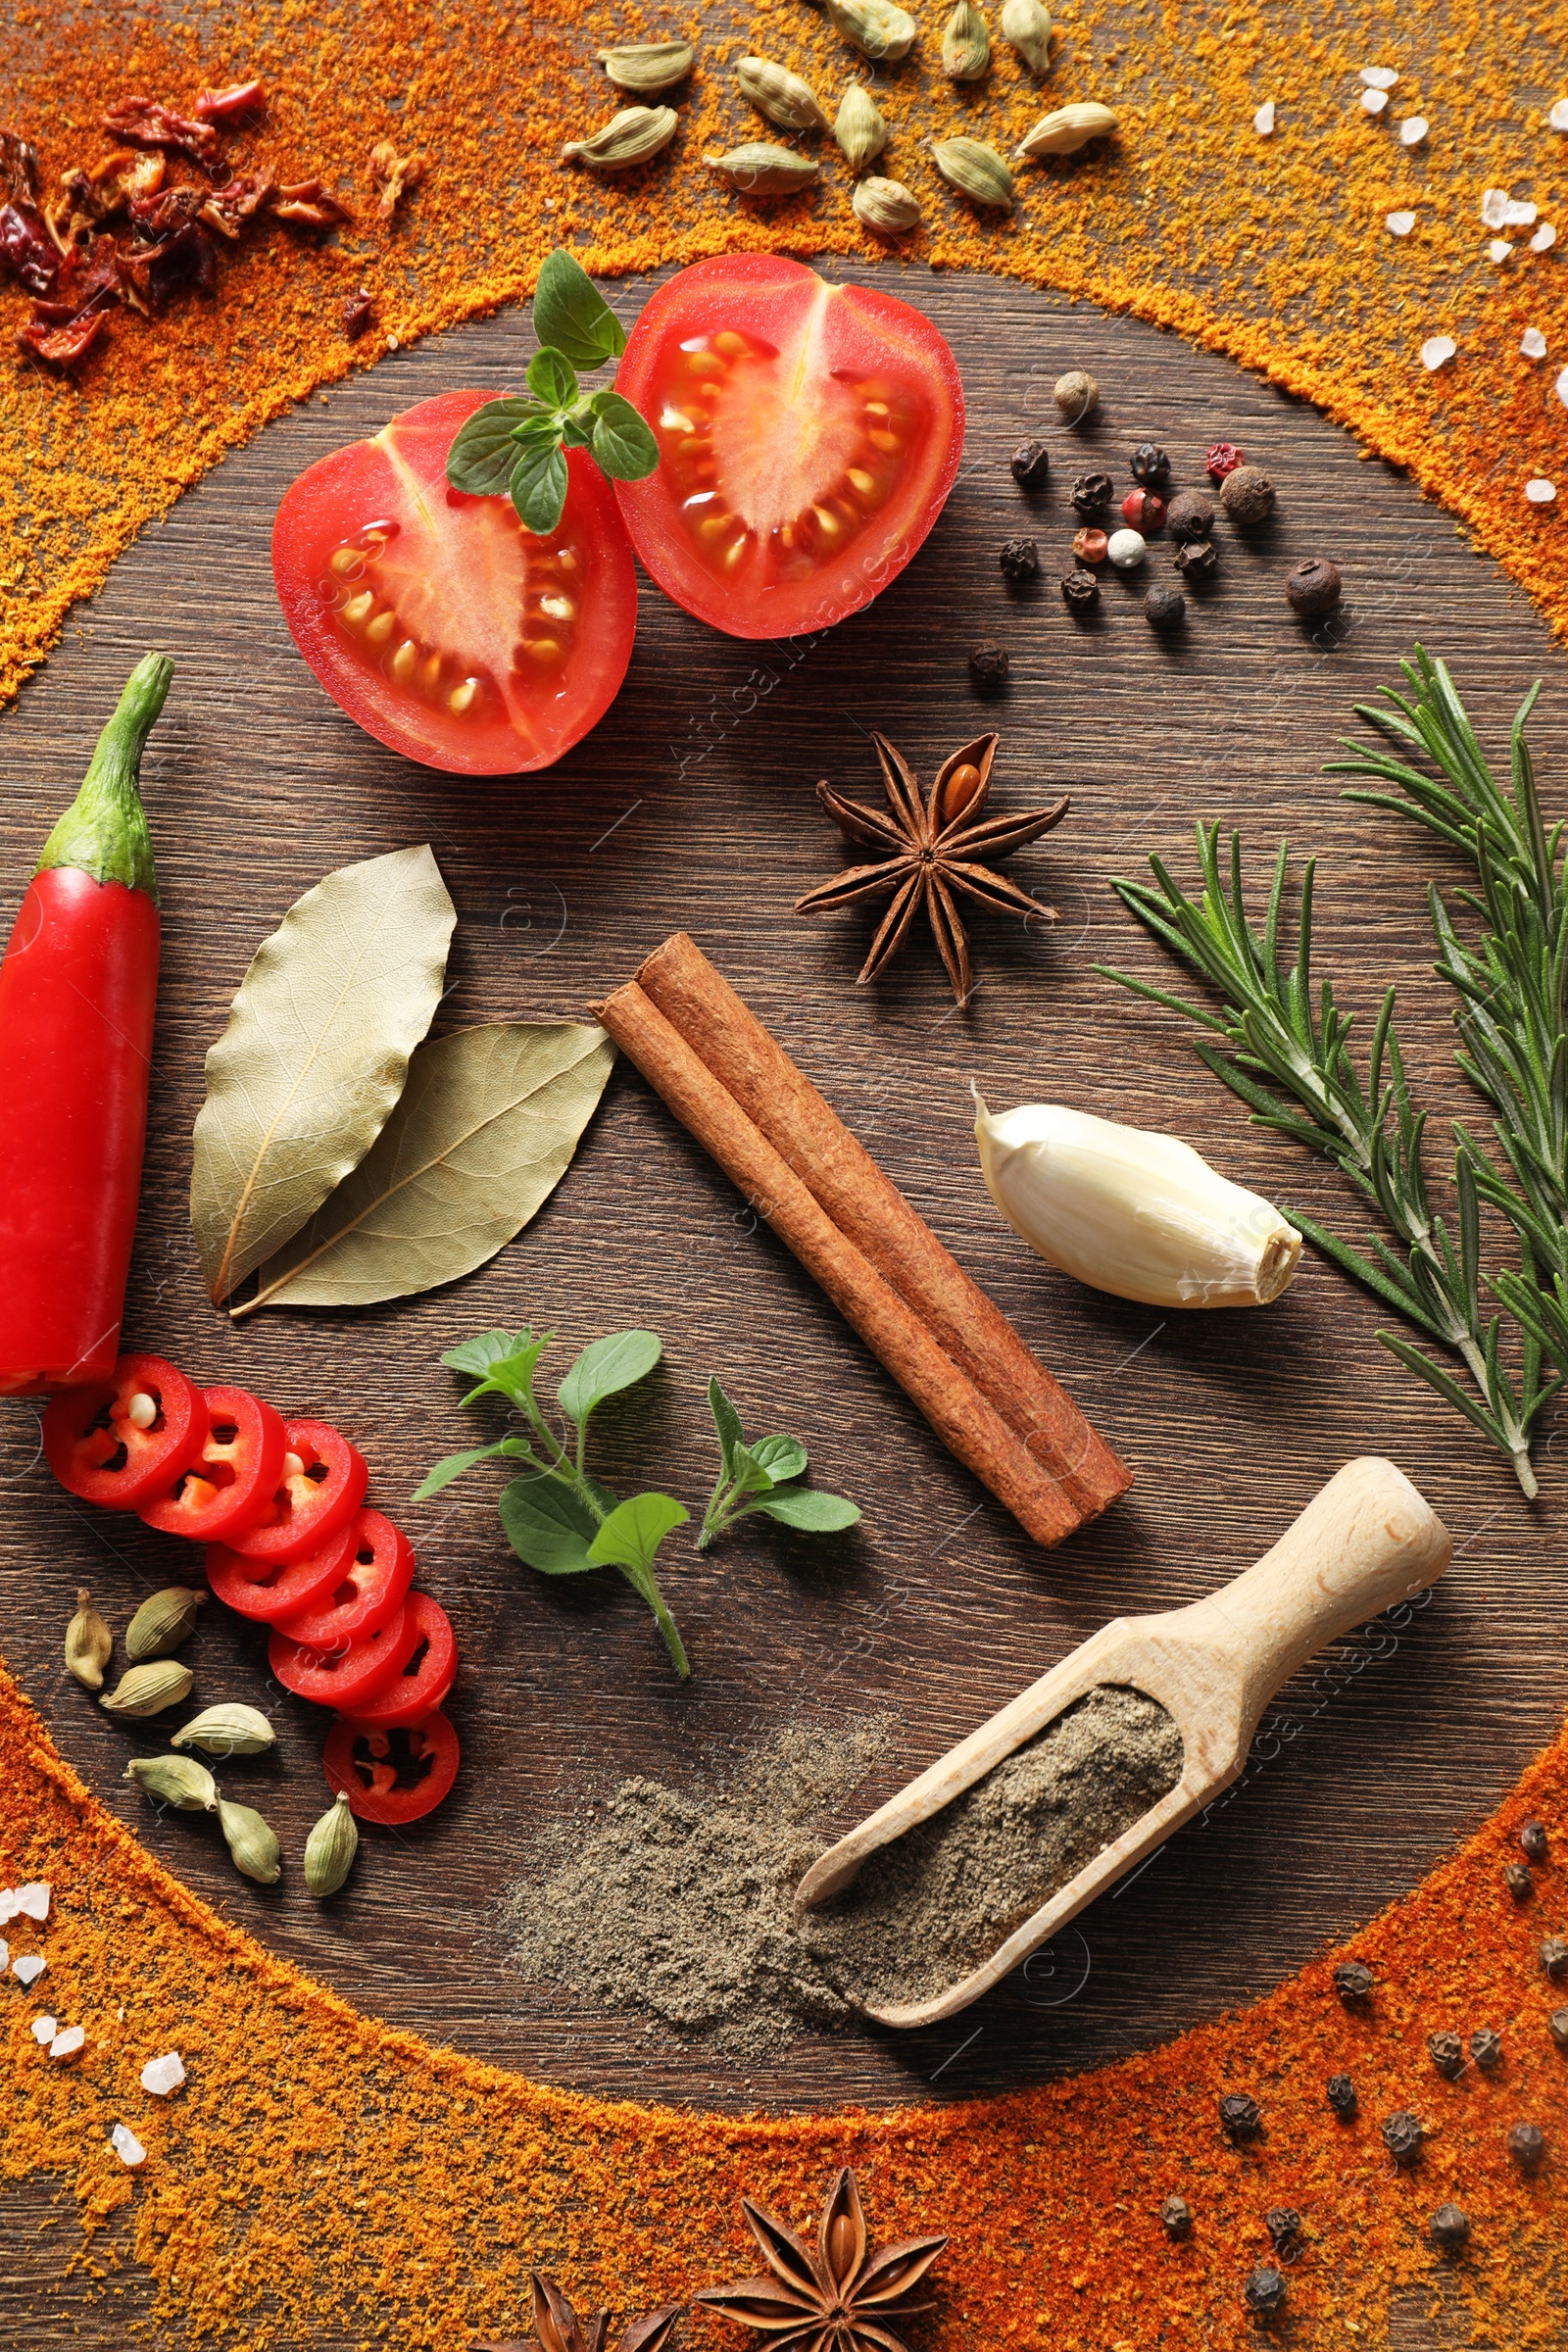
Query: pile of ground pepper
x,y
1272,247
321,2177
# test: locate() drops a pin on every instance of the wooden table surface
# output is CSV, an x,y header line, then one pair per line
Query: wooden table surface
x,y
692,806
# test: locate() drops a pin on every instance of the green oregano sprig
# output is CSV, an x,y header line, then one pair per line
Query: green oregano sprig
x,y
766,1478
519,446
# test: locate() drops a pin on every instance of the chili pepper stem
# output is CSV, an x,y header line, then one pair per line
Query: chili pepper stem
x,y
104,831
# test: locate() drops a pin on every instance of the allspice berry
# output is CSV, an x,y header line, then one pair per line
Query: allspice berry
x,y
1164,607
1176,2217
1077,395
1527,2145
988,665
1339,2092
1313,587
1080,591
1019,560
1449,2229
1533,1841
1197,560
1190,515
1247,496
1265,2291
1353,1980
1446,2053
1091,493
1030,464
1090,546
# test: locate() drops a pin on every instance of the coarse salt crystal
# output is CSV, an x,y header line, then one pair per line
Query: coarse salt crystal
x,y
1437,351
1558,120
8,1904
27,1968
1399,224
1562,387
1374,101
44,2029
5,1954
32,1900
1413,130
126,2146
163,2074
1517,214
1498,250
67,2043
1540,492
1532,343
1545,238
1493,207
1379,77
1263,119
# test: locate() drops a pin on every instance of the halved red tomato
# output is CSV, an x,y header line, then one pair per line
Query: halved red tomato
x,y
436,621
809,435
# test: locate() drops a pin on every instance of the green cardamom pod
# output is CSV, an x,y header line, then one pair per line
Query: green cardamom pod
x,y
148,1688
966,43
631,138
859,128
757,170
782,96
875,27
977,171
89,1644
255,1849
647,65
163,1623
228,1729
1027,26
886,206
331,1849
174,1781
1065,132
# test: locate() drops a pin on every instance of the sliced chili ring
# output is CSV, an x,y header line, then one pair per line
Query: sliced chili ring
x,y
377,1571
424,1681
347,1677
321,1487
257,1590
369,1779
103,1443
241,1461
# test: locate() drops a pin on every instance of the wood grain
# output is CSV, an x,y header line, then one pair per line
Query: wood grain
x,y
692,807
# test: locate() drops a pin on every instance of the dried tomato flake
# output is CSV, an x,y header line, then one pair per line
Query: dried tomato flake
x,y
308,204
152,274
26,251
239,200
358,311
63,346
223,106
393,174
143,122
18,168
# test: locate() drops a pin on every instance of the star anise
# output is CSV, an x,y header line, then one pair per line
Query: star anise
x,y
932,850
558,2328
838,2298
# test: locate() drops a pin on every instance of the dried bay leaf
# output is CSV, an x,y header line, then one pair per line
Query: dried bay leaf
x,y
313,1061
487,1127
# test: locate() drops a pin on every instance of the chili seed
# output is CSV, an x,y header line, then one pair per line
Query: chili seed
x,y
988,663
1019,560
1449,2229
1030,464
1533,1841
1352,1982
1527,2145
1197,560
1143,510
1241,2118
1091,493
1558,2027
1339,2092
1080,591
1223,458
1486,2048
1517,1880
1150,465
1164,607
1446,2053
1313,587
1090,546
1402,2134
1264,2291
1555,1956
1284,2226
1176,2217
1191,516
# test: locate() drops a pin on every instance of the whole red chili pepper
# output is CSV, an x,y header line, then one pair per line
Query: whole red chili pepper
x,y
77,990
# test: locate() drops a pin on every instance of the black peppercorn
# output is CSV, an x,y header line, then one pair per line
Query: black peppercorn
x,y
1446,2053
1241,2118
1191,516
1091,493
1150,465
1197,560
1284,2226
1555,1956
1339,2092
1449,2229
1264,2291
1019,560
1402,2134
1313,587
1533,1841
1527,2145
1558,2027
1030,464
1486,2048
1080,591
1176,2217
1517,1880
988,664
1164,607
1247,496
1352,1982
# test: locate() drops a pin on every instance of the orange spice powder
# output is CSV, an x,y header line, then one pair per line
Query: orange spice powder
x,y
1273,249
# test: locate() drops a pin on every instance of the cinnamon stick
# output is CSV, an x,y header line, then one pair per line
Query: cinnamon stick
x,y
890,1278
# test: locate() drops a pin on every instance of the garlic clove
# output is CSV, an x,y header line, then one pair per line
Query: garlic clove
x,y
1139,1214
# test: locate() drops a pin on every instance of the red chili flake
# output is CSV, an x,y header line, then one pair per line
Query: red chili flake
x,y
392,175
239,200
63,346
1223,459
26,252
308,204
223,106
357,314
18,168
88,276
143,122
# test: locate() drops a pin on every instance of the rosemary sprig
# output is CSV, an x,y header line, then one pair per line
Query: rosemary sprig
x,y
1284,1051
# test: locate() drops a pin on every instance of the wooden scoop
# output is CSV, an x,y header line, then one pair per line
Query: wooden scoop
x,y
1364,1543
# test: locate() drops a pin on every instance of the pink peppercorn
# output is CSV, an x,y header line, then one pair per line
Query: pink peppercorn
x,y
1223,459
1143,510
